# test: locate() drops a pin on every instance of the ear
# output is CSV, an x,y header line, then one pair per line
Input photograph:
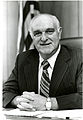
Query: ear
x,y
60,32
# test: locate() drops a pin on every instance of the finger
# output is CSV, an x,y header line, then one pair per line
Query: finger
x,y
21,99
26,105
19,106
25,109
28,96
25,92
29,93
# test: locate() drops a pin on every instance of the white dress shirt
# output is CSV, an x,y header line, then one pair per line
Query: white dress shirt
x,y
51,61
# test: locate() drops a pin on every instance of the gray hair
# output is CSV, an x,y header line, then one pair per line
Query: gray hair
x,y
54,18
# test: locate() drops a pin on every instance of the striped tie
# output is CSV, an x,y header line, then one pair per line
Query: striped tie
x,y
45,81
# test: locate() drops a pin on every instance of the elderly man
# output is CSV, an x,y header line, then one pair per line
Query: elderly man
x,y
49,76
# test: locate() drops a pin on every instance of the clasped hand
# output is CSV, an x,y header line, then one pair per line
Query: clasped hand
x,y
30,101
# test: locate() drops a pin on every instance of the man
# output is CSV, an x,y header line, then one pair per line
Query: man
x,y
49,76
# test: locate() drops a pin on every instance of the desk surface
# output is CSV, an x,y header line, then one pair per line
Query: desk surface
x,y
54,115
30,118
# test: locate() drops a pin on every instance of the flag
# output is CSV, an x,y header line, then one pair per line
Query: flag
x,y
27,10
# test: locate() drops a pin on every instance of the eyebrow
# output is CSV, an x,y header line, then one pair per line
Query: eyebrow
x,y
50,29
36,31
41,31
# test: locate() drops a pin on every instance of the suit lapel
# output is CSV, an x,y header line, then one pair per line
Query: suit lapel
x,y
60,69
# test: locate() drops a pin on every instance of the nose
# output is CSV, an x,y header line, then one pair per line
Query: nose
x,y
43,37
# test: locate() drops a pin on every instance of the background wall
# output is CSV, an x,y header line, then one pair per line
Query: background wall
x,y
10,43
68,12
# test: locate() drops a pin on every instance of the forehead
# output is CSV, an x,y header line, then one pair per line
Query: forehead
x,y
42,23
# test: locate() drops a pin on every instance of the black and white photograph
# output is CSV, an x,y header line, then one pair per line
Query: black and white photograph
x,y
42,61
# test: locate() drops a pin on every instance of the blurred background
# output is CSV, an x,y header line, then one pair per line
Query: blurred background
x,y
69,14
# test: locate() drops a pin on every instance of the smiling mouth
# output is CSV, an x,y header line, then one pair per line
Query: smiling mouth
x,y
45,44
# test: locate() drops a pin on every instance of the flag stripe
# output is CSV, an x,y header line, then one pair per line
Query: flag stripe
x,y
27,8
24,38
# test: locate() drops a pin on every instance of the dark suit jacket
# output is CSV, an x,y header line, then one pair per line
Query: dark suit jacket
x,y
66,82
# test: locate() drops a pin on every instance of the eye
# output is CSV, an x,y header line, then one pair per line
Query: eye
x,y
50,31
37,33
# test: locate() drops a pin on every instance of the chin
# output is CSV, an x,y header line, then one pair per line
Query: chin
x,y
45,52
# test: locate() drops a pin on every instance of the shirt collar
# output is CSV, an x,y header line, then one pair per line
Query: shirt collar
x,y
52,59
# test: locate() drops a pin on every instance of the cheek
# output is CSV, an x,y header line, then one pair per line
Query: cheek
x,y
35,41
55,38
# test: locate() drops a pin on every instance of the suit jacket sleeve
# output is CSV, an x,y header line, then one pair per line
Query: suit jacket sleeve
x,y
19,81
10,87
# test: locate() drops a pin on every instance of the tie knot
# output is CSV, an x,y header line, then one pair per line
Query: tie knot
x,y
45,64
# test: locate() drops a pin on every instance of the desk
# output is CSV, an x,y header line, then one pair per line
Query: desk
x,y
30,118
52,115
